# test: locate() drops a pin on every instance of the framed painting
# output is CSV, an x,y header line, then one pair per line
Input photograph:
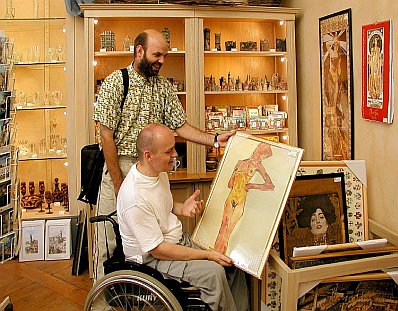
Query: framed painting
x,y
362,293
315,213
246,200
32,241
355,192
58,239
337,86
377,72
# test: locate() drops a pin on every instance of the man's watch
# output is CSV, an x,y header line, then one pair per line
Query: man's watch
x,y
216,144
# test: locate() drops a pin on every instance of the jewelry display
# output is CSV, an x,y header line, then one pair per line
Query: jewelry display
x,y
230,45
166,34
264,45
127,44
248,46
108,41
217,39
206,36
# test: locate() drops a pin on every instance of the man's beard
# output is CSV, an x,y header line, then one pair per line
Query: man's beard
x,y
146,67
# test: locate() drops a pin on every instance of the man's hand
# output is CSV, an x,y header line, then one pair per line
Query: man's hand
x,y
219,258
191,206
223,138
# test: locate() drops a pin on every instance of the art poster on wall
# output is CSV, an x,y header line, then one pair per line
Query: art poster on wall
x,y
335,39
377,93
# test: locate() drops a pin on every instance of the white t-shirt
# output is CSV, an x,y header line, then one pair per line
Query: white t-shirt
x,y
144,206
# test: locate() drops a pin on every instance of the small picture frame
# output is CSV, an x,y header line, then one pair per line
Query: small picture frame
x,y
5,193
58,239
7,247
32,244
6,221
5,166
315,213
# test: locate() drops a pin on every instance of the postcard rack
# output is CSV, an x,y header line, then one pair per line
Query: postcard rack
x,y
293,281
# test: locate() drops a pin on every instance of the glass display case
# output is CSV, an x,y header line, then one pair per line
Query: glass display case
x,y
38,29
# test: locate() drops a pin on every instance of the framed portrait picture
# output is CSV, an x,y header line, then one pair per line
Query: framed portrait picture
x,y
337,86
355,185
377,72
246,200
315,213
357,294
58,239
32,240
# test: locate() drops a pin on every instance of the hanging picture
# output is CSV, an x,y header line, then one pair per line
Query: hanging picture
x,y
315,213
246,200
377,101
337,87
32,244
58,239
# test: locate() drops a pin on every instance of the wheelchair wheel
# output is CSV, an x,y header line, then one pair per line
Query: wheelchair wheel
x,y
132,291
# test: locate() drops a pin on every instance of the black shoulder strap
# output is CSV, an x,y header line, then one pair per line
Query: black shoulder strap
x,y
126,83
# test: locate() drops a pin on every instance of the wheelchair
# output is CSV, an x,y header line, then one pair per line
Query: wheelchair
x,y
132,286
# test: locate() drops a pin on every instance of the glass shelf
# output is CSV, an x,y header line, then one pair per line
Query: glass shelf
x,y
33,19
255,132
23,64
130,53
245,92
246,53
55,157
40,107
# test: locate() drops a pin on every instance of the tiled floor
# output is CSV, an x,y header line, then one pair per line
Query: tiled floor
x,y
43,285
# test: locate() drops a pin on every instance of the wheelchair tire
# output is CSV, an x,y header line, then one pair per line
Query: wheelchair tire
x,y
130,290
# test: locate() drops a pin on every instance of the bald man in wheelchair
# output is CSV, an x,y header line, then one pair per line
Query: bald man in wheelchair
x,y
152,234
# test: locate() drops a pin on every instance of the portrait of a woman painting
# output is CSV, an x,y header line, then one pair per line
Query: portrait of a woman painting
x,y
314,213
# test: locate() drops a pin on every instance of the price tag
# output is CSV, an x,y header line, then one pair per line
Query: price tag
x,y
102,50
61,213
57,203
174,49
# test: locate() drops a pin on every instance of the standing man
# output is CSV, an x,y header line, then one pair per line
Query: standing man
x,y
152,234
150,99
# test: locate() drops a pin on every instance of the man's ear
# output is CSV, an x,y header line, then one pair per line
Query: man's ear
x,y
139,50
147,155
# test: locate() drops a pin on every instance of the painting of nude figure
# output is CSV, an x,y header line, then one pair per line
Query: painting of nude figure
x,y
246,200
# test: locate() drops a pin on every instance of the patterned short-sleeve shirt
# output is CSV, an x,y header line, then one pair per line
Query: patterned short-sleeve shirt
x,y
148,101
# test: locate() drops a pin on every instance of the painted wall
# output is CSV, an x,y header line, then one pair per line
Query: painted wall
x,y
376,143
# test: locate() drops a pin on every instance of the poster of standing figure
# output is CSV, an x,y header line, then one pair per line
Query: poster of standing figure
x,y
337,87
377,101
246,200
